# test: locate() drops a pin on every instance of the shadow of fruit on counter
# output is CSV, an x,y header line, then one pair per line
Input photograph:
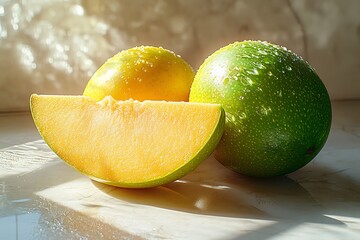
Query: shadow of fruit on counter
x,y
185,196
214,190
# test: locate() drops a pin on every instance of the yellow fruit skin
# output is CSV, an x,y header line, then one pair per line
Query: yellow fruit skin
x,y
142,73
86,135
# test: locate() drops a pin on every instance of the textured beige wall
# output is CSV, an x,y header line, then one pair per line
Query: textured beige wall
x,y
52,46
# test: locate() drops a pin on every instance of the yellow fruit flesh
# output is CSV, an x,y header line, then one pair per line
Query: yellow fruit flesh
x,y
128,143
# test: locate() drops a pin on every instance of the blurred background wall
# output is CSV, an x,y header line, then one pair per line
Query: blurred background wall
x,y
53,46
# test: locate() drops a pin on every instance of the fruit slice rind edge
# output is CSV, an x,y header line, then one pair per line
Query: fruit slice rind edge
x,y
204,151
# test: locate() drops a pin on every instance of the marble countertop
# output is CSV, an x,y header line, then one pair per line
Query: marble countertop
x,y
43,198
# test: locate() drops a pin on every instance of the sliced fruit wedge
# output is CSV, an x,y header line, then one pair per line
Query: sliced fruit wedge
x,y
128,143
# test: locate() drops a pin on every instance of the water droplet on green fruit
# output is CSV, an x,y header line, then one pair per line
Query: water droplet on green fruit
x,y
253,71
242,115
246,81
261,66
262,52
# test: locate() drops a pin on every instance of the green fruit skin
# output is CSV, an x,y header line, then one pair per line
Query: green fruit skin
x,y
278,111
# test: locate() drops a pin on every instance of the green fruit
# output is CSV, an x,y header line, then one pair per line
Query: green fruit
x,y
278,111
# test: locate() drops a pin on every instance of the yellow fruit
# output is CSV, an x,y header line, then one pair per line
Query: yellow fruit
x,y
142,73
128,143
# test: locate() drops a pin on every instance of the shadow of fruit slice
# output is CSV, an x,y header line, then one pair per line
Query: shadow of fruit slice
x,y
128,143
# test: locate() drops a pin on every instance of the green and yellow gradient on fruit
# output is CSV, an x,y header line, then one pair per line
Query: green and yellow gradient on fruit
x,y
142,73
278,111
128,143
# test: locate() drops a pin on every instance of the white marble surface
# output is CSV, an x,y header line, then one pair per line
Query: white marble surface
x,y
43,198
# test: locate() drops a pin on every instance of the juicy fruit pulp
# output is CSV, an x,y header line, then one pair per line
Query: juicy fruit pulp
x,y
142,73
278,111
128,143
